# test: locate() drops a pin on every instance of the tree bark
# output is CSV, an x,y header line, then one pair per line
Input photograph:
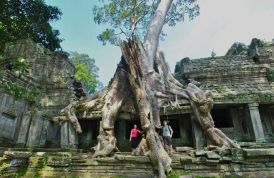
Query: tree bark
x,y
153,32
143,80
147,92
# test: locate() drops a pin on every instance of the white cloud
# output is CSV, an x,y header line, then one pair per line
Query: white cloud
x,y
220,24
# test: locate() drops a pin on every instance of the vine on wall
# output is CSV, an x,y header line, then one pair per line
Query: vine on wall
x,y
19,67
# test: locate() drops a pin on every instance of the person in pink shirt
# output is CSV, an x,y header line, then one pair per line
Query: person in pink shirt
x,y
134,137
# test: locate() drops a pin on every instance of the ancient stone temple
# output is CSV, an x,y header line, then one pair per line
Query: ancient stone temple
x,y
242,86
26,124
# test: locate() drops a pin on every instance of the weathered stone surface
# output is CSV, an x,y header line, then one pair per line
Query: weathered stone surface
x,y
212,155
225,159
256,122
52,73
237,155
200,153
237,49
16,154
224,152
183,149
141,159
185,159
233,78
259,152
66,164
198,135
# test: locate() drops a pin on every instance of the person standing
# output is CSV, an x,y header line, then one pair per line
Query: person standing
x,y
134,137
167,135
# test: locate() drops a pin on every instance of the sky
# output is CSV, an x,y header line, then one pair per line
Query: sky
x,y
219,25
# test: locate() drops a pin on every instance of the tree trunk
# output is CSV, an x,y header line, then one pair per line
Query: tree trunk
x,y
143,84
143,80
146,92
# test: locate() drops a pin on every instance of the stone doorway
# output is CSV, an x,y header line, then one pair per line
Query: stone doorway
x,y
88,138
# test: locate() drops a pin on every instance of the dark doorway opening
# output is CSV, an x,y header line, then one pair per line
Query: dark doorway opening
x,y
53,135
222,118
88,137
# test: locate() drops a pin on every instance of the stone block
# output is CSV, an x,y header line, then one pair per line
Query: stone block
x,y
200,153
201,159
224,152
185,159
263,153
141,159
225,159
183,149
16,154
212,155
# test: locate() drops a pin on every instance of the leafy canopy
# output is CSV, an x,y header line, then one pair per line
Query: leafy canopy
x,y
86,71
21,19
132,17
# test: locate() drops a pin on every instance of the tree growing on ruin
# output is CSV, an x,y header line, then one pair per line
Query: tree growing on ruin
x,y
143,83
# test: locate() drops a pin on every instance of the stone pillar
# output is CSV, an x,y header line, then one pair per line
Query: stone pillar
x,y
237,123
34,133
64,135
185,129
235,119
69,137
182,130
89,137
271,114
256,122
3,99
24,130
121,130
198,135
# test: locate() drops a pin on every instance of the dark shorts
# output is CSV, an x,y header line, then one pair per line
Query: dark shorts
x,y
167,140
134,142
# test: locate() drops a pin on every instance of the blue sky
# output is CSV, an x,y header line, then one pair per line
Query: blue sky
x,y
220,23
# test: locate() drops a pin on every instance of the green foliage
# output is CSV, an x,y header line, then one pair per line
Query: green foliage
x,y
4,166
86,71
22,171
18,91
177,174
128,18
17,65
270,75
20,19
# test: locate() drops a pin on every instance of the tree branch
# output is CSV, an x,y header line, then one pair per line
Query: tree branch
x,y
154,30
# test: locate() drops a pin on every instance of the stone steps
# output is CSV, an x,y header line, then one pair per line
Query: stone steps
x,y
223,163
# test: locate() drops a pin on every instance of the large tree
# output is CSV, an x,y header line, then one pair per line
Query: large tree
x,y
143,83
126,19
21,19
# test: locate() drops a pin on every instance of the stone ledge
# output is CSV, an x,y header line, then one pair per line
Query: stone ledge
x,y
252,153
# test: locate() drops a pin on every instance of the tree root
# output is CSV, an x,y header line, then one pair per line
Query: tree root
x,y
147,90
106,144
